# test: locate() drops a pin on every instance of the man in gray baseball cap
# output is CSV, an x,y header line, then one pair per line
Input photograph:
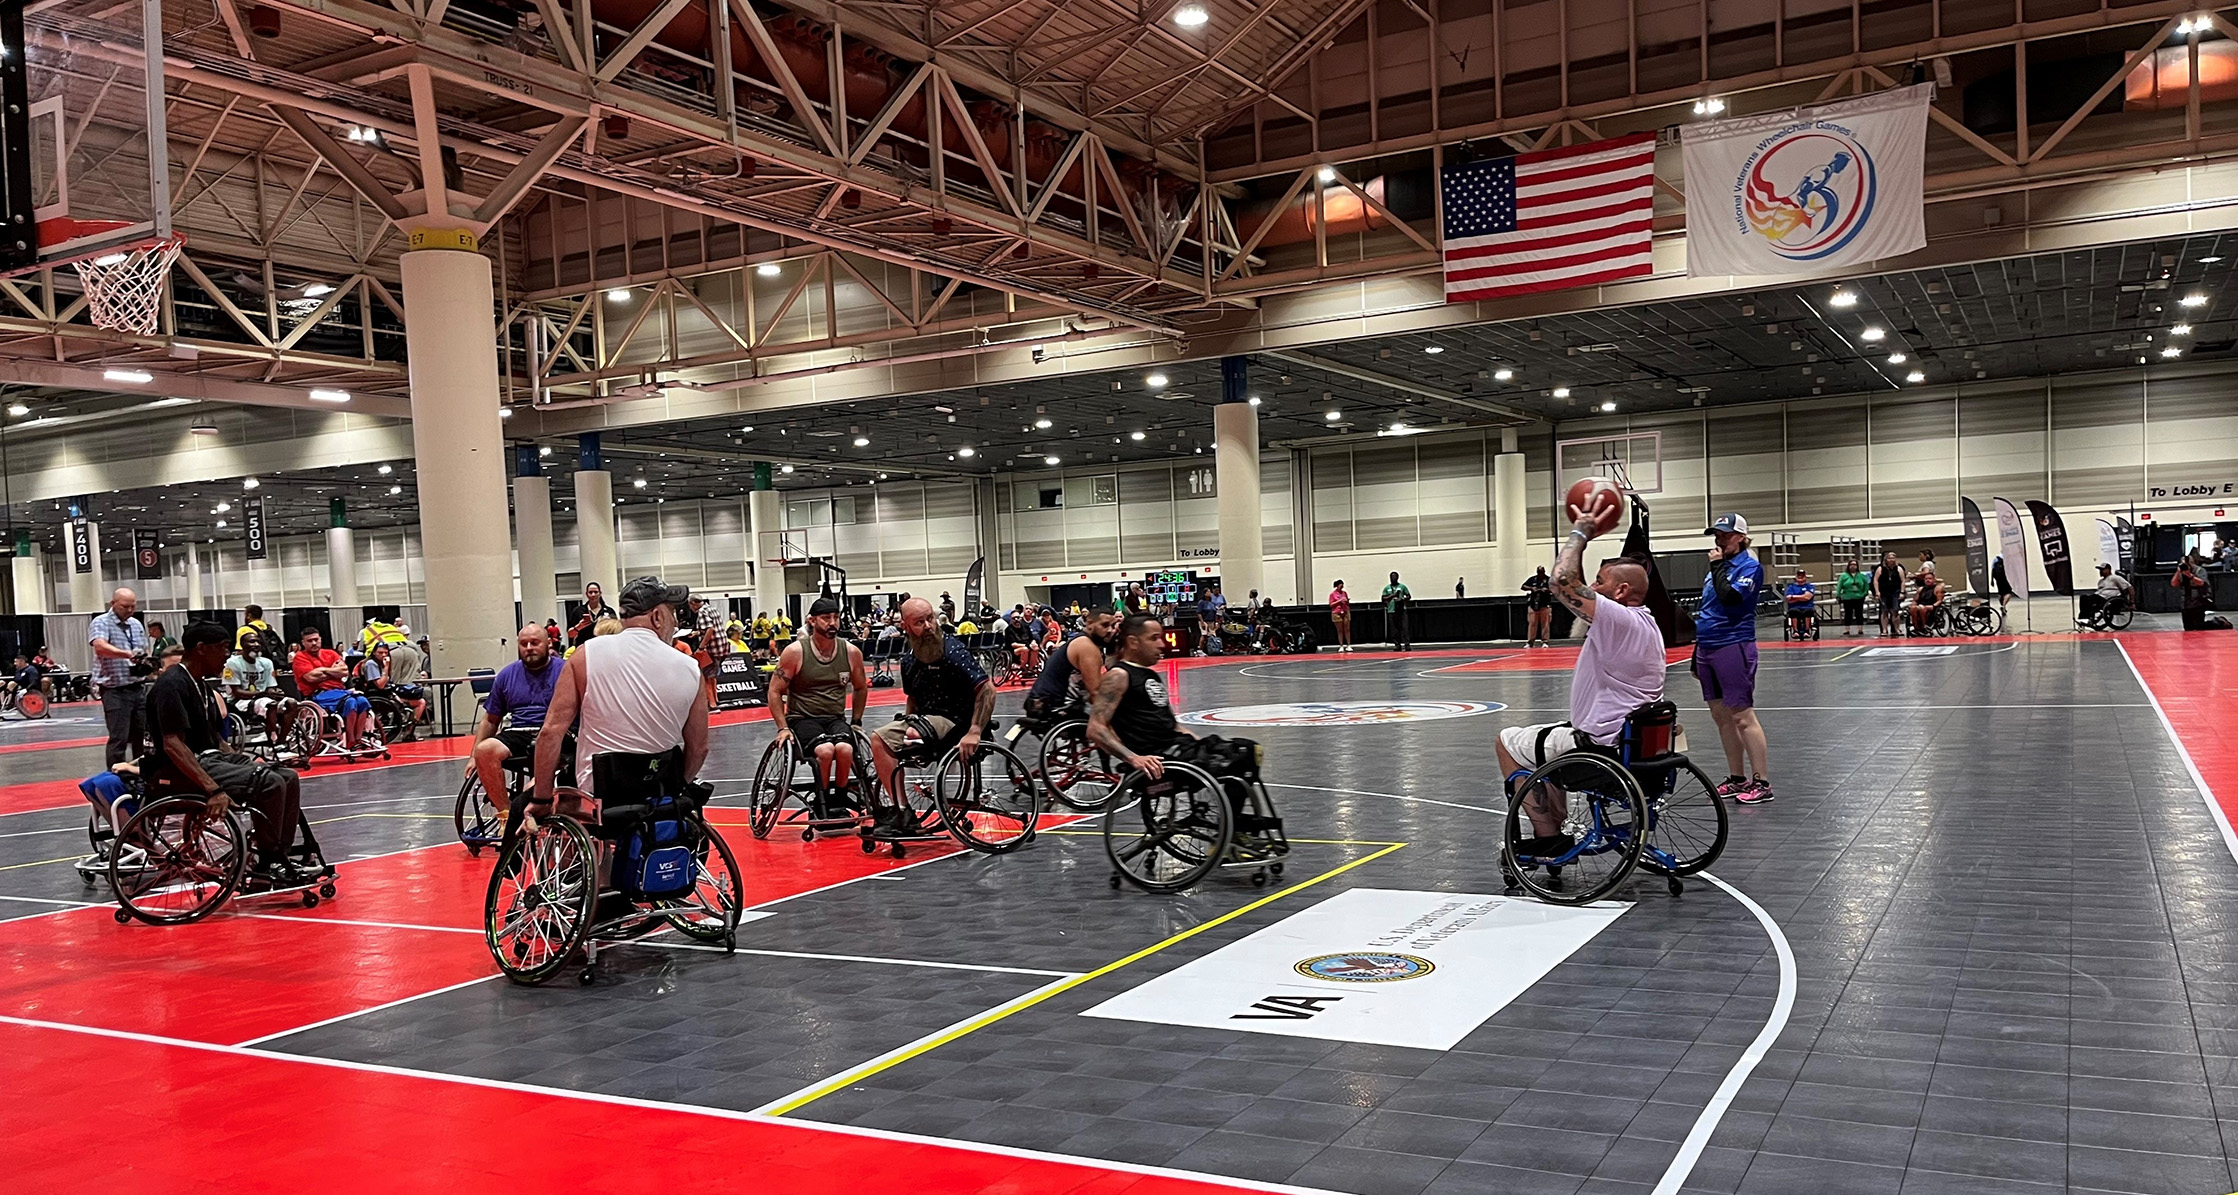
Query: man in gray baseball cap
x,y
630,692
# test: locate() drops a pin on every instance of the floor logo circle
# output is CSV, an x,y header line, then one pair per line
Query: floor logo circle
x,y
1339,713
1365,967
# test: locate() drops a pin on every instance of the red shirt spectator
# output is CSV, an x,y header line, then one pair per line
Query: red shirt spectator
x,y
313,658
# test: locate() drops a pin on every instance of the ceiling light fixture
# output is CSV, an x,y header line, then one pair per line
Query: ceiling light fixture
x,y
2171,351
1333,416
862,441
1561,392
637,483
1327,174
136,377
619,294
1915,376
1254,400
385,470
1050,460
1608,406
1433,349
314,290
1871,334
967,452
1043,424
1154,381
1709,106
505,412
203,429
1503,375
785,469
1191,16
221,524
769,269
1897,358
110,259
394,490
323,395
1844,298
2180,330
18,409
221,508
2194,300
1135,436
544,450
250,483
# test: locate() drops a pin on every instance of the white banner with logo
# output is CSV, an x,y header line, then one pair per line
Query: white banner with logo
x,y
2012,546
1806,190
1374,965
2109,546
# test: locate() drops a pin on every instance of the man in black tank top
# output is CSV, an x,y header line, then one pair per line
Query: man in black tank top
x,y
1131,716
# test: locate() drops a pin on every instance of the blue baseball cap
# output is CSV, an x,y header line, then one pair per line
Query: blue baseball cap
x,y
1732,523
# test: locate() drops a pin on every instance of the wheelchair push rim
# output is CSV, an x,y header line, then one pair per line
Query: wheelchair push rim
x,y
711,912
174,862
1687,823
541,897
771,786
477,819
1602,813
1078,774
991,802
1167,834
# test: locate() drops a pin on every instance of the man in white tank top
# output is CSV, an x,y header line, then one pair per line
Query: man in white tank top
x,y
629,692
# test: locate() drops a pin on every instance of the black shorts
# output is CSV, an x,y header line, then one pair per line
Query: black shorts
x,y
520,742
810,730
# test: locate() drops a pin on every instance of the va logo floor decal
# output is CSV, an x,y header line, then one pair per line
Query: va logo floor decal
x,y
1339,713
1365,967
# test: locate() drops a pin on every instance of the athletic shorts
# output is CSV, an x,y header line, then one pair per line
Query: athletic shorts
x,y
1532,746
809,730
895,733
254,707
342,701
1728,674
519,741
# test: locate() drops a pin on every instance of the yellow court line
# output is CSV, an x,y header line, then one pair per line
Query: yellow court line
x,y
43,862
1847,654
864,1071
1308,841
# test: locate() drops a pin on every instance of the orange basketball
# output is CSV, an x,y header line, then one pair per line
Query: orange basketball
x,y
1597,497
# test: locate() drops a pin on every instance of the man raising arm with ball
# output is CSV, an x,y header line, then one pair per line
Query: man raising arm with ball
x,y
1619,669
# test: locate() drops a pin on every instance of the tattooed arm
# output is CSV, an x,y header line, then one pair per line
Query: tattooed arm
x,y
1109,690
1570,586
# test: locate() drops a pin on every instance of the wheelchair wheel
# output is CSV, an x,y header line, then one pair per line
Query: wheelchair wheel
x,y
1685,822
1166,834
540,901
1601,818
2120,619
1078,774
32,704
478,820
773,782
174,862
710,913
991,803
301,738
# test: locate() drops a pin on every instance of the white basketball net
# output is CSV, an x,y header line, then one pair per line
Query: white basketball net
x,y
124,287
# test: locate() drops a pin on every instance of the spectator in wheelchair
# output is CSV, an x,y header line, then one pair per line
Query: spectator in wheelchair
x,y
630,692
187,757
1802,603
513,712
2113,595
1619,669
1061,692
321,676
252,685
940,683
26,677
1927,601
376,672
808,699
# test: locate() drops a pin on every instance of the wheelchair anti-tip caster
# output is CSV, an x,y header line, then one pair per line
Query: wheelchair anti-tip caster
x,y
870,845
584,977
1277,869
1258,879
123,917
900,850
310,900
808,836
1115,879
1677,886
1509,877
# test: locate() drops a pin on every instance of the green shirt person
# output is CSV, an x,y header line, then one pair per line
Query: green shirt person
x,y
1395,594
1396,599
1850,585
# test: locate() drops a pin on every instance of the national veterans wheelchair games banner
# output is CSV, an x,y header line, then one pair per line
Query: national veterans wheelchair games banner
x,y
2051,538
2109,546
2012,546
1804,190
1977,547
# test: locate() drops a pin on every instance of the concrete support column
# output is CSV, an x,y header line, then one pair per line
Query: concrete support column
x,y
29,579
450,345
990,543
1511,548
341,555
532,536
765,517
86,596
1235,436
594,520
195,598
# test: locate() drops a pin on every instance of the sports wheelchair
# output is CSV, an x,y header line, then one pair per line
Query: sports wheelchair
x,y
320,733
1938,624
1799,623
990,807
1639,803
249,734
2113,615
479,820
816,808
29,705
1073,772
169,862
1208,810
586,870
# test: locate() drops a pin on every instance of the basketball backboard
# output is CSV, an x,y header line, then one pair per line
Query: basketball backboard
x,y
1633,460
90,147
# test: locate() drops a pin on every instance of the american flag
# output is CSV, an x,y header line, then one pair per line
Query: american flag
x,y
1549,219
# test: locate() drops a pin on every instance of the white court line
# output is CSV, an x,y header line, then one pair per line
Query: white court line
x,y
2206,794
257,1041
622,1101
42,900
1690,1150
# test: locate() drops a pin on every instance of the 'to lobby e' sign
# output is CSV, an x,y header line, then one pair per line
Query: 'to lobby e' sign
x,y
2192,489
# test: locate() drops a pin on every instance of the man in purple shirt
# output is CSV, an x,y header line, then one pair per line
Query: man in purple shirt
x,y
513,712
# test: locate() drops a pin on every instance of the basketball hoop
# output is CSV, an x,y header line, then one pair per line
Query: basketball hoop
x,y
123,283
